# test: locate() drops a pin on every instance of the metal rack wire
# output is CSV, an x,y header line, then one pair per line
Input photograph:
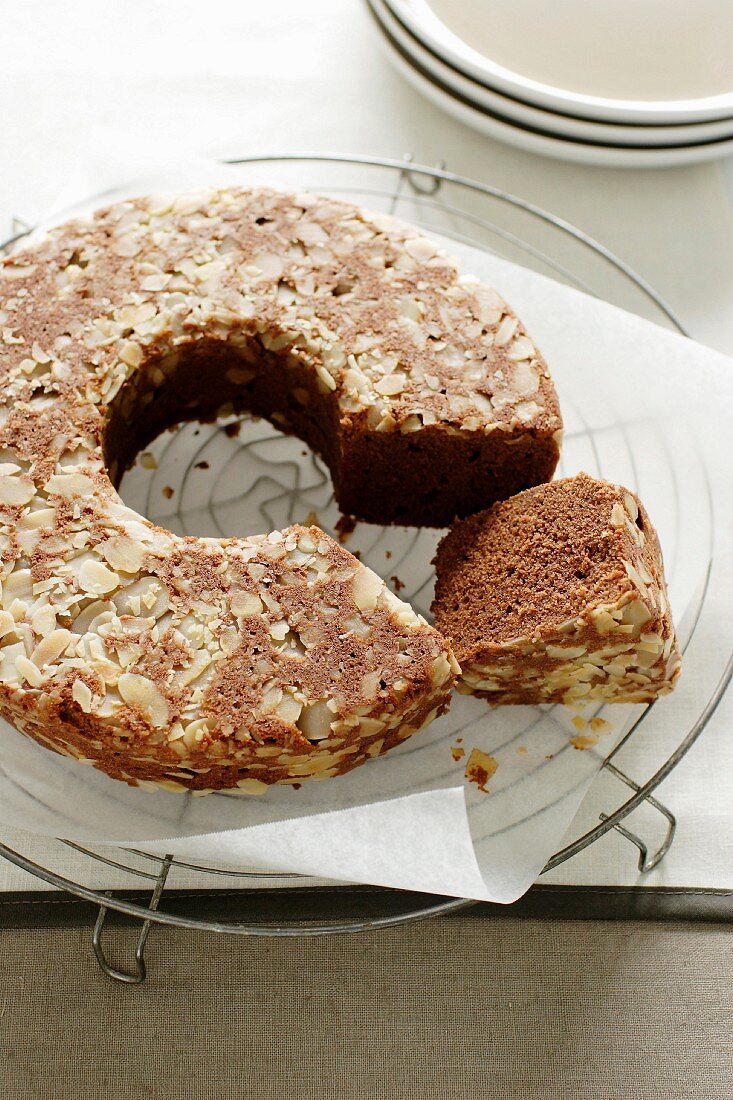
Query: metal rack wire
x,y
425,187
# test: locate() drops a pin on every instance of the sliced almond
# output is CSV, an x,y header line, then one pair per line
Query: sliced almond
x,y
18,586
16,490
28,671
505,331
251,786
390,384
246,603
50,648
97,579
521,348
315,720
327,381
631,506
131,353
70,485
618,516
636,614
366,589
42,517
199,664
7,624
420,248
82,695
265,265
141,694
289,709
125,553
147,596
565,653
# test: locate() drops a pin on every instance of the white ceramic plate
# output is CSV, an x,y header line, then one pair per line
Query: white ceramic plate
x,y
422,20
544,121
545,144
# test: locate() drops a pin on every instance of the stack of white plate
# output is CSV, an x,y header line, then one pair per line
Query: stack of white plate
x,y
633,83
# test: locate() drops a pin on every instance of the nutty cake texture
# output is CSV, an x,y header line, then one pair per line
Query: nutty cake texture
x,y
419,387
204,663
558,596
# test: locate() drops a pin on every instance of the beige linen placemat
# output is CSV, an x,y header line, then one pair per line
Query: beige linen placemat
x,y
459,1008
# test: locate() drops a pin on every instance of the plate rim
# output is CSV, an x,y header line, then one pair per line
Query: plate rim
x,y
485,98
426,25
544,143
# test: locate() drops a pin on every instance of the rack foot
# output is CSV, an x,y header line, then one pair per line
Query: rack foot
x,y
416,183
647,862
138,975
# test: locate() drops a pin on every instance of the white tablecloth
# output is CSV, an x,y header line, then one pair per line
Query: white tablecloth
x,y
229,78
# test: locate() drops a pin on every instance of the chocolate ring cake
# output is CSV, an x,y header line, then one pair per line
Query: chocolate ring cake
x,y
202,663
558,595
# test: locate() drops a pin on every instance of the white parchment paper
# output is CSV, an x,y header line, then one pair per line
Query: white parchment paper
x,y
643,407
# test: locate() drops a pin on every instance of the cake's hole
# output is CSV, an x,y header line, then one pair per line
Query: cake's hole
x,y
640,522
208,378
262,221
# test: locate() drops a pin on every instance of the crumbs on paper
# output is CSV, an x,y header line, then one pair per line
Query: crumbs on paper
x,y
480,768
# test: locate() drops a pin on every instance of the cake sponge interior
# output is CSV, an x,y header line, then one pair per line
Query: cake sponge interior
x,y
558,595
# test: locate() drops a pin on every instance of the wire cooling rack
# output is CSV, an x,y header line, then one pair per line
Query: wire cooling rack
x,y
485,217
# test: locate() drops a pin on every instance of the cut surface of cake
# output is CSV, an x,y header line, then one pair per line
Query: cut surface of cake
x,y
558,595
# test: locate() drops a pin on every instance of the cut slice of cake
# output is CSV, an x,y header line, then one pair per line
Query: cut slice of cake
x,y
557,595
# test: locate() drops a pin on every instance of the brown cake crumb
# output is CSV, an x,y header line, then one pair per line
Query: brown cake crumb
x,y
479,769
345,527
558,595
584,740
457,752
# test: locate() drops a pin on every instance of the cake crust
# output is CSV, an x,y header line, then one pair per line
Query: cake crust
x,y
558,595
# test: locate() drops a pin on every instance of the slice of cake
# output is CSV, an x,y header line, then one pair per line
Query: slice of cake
x,y
557,595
